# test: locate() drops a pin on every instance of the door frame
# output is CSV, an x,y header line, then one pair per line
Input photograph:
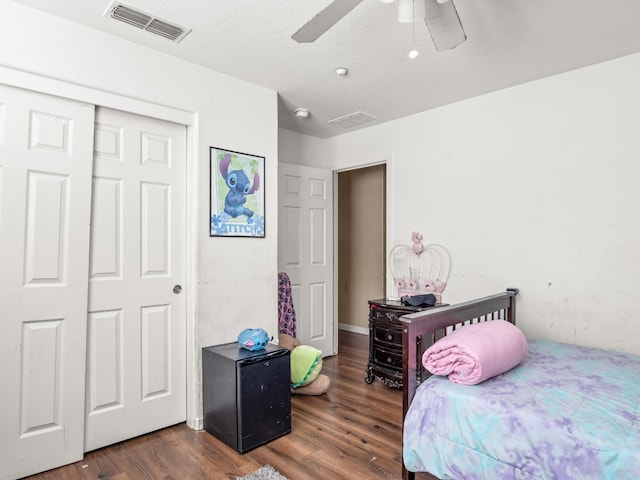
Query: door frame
x,y
100,98
381,159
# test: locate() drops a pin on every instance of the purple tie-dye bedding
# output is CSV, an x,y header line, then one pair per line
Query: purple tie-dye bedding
x,y
567,412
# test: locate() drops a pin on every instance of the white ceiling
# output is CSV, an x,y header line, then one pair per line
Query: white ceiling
x,y
508,42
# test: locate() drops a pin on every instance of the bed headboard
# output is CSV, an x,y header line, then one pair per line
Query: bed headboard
x,y
422,329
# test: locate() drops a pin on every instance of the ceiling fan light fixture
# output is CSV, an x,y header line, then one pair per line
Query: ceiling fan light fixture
x,y
410,10
441,19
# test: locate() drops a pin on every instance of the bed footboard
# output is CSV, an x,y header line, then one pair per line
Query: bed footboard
x,y
422,329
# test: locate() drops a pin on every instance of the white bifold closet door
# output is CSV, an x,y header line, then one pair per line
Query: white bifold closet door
x,y
45,201
92,314
136,365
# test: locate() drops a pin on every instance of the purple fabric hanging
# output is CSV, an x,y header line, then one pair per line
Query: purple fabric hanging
x,y
286,312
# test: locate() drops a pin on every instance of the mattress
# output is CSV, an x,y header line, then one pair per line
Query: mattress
x,y
567,412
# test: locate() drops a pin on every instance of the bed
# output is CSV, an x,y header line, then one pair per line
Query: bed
x,y
566,411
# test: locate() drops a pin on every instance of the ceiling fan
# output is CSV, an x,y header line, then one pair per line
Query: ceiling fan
x,y
440,16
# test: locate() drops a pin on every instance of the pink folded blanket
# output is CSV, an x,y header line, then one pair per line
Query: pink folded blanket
x,y
474,353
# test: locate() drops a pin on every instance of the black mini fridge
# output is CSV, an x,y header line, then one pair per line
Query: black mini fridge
x,y
246,395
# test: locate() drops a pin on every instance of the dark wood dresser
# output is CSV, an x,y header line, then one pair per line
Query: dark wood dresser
x,y
385,340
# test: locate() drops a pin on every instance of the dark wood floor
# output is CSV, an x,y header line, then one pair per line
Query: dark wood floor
x,y
353,433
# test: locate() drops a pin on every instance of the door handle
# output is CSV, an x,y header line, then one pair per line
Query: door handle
x,y
177,289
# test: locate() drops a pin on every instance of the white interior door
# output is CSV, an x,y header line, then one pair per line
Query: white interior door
x,y
305,250
136,380
45,194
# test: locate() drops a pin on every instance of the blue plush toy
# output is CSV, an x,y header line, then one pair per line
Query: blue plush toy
x,y
253,339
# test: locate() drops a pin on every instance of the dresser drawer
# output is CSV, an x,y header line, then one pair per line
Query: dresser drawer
x,y
385,314
388,358
386,334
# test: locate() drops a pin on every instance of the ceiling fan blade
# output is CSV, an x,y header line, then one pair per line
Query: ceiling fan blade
x,y
324,20
444,24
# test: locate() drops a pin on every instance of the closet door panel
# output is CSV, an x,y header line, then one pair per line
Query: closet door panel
x,y
46,146
137,326
106,250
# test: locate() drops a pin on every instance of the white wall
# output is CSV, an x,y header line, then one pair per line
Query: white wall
x,y
300,149
236,277
534,187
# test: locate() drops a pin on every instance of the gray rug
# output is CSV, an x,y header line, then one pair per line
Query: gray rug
x,y
265,473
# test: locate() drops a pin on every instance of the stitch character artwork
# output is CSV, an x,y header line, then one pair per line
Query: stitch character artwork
x,y
239,188
237,196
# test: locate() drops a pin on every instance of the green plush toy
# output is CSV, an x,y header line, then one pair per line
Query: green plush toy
x,y
306,363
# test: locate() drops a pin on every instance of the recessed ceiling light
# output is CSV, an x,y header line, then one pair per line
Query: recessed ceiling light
x,y
342,71
302,113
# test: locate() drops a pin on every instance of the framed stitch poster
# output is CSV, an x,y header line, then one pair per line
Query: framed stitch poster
x,y
236,189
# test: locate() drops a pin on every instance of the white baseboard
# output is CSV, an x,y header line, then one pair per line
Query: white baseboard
x,y
353,328
196,423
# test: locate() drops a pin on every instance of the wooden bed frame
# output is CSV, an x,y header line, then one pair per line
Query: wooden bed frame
x,y
421,330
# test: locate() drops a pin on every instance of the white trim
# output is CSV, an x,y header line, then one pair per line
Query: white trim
x,y
80,93
383,159
389,206
336,326
194,390
353,328
100,98
196,423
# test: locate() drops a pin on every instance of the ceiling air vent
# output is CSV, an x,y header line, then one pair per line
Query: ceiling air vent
x,y
352,120
146,21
